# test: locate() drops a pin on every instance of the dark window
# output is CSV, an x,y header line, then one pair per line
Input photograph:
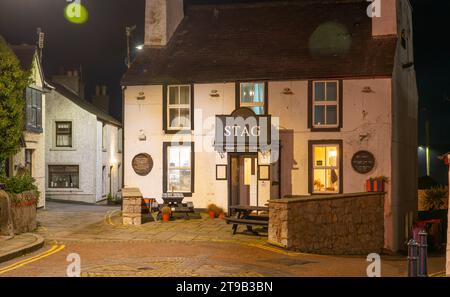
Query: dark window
x,y
325,105
63,134
34,110
63,176
29,161
178,168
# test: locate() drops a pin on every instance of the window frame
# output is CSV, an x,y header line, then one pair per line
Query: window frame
x,y
311,167
65,165
33,108
167,107
166,146
266,96
70,134
29,160
312,104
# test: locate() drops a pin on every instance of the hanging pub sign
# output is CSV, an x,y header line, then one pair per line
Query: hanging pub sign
x,y
242,131
363,162
142,164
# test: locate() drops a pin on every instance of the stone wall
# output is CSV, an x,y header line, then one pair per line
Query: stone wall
x,y
17,213
332,224
131,206
6,226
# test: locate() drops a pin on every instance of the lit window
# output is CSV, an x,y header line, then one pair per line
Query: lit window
x,y
325,168
179,169
179,107
252,96
325,104
61,176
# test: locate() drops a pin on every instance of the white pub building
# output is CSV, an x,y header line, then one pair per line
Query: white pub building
x,y
247,102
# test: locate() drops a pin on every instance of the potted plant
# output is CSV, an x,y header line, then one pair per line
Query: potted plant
x,y
212,210
435,198
221,213
166,212
377,184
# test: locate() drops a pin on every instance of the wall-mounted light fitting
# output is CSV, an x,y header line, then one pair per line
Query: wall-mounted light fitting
x,y
141,96
367,89
287,91
142,136
214,94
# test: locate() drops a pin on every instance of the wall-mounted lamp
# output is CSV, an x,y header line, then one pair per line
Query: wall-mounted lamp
x,y
222,155
367,89
214,94
287,91
141,96
142,136
363,136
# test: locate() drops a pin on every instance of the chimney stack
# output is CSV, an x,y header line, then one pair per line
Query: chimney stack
x,y
101,98
162,18
71,80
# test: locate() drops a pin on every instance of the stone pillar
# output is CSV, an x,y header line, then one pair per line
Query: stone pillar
x,y
131,206
6,225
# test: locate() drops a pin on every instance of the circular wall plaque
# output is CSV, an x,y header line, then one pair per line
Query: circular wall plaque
x,y
363,162
142,164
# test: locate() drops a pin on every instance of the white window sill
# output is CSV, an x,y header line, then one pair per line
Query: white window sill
x,y
65,190
68,149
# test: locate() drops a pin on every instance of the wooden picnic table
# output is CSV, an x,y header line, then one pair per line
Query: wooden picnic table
x,y
243,216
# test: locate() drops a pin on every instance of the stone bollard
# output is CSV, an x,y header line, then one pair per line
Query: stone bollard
x,y
412,258
131,206
423,254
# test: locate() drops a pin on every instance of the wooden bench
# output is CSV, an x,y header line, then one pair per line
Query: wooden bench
x,y
247,222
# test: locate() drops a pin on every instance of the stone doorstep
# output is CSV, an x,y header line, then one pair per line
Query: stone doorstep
x,y
18,250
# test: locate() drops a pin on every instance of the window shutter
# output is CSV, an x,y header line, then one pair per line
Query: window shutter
x,y
39,110
28,110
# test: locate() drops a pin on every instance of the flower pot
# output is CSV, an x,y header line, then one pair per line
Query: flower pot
x,y
222,216
212,214
166,217
373,185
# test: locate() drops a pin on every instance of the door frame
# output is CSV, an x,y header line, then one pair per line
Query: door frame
x,y
239,154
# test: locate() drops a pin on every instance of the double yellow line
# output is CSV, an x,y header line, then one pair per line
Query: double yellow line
x,y
53,250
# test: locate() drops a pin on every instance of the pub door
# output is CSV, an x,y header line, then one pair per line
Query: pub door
x,y
243,179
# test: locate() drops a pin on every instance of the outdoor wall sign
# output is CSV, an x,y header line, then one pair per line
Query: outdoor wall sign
x,y
363,162
242,131
142,164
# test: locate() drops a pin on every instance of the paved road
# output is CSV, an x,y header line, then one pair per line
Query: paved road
x,y
198,247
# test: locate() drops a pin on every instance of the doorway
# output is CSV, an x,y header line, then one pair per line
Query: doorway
x,y
243,181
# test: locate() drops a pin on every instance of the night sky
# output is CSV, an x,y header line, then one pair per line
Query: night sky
x,y
99,46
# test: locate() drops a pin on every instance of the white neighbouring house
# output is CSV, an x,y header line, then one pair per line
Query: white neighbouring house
x,y
32,151
335,83
83,146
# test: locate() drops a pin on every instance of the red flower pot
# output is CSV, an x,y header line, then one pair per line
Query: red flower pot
x,y
222,216
212,214
373,185
166,217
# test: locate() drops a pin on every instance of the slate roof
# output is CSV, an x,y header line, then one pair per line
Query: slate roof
x,y
86,105
267,41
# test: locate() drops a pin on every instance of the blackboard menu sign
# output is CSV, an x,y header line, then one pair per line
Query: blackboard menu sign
x,y
363,162
142,164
